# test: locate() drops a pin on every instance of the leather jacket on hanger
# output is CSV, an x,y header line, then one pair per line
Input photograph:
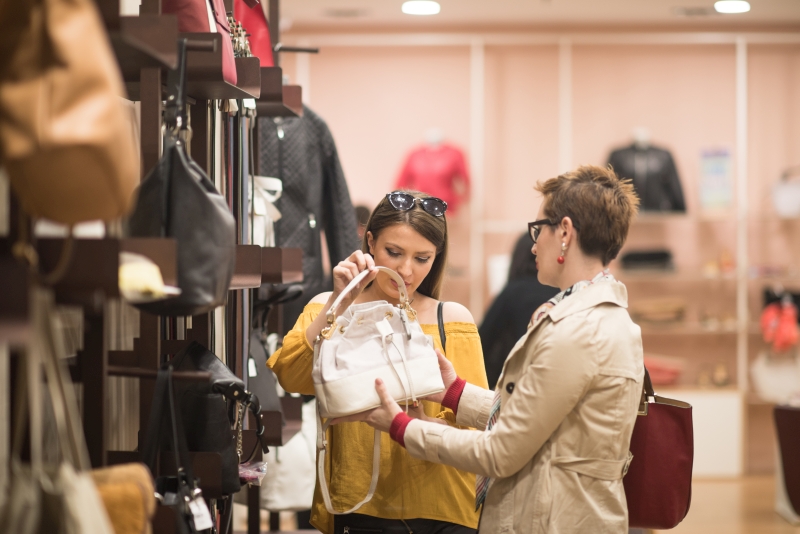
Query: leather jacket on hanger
x,y
654,176
302,153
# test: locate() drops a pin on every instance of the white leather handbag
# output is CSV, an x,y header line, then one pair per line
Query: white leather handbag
x,y
368,341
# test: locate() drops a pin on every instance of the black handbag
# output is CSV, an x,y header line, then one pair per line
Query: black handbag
x,y
165,427
204,408
178,200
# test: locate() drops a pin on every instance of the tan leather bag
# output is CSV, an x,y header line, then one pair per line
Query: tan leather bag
x,y
128,494
63,136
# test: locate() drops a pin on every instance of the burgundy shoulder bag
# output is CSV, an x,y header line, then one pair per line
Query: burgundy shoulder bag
x,y
658,485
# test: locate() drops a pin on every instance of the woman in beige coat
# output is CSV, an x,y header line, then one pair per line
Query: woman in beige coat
x,y
556,433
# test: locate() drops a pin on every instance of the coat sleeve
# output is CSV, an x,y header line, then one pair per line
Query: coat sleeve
x,y
557,377
464,351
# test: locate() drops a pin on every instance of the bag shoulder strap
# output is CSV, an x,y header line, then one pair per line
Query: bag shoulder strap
x,y
322,446
440,319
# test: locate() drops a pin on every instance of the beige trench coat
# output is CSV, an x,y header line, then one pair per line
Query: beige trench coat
x,y
570,392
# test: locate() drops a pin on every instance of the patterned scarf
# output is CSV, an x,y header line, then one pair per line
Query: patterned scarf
x,y
482,482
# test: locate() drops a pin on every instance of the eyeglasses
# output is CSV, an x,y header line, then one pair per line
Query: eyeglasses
x,y
536,226
404,202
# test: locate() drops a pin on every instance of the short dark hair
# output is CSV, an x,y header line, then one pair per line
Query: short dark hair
x,y
434,229
600,204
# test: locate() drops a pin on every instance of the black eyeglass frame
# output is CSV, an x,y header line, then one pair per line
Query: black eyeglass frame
x,y
423,202
534,228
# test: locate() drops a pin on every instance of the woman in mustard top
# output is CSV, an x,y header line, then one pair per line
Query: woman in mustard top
x,y
406,232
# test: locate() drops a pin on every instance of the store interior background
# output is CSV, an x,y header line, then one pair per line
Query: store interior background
x,y
530,89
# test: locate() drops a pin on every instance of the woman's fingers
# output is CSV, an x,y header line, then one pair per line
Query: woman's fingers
x,y
383,393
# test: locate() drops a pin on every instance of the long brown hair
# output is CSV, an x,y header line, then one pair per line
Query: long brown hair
x,y
434,229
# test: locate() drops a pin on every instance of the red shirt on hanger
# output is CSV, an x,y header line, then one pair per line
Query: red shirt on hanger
x,y
436,170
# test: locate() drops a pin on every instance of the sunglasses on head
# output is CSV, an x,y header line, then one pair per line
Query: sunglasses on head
x,y
404,202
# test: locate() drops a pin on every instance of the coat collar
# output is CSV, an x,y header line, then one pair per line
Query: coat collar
x,y
589,297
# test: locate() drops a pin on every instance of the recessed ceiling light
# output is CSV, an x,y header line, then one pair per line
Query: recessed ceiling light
x,y
732,6
421,7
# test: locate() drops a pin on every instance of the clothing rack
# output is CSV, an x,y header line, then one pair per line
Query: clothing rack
x,y
146,47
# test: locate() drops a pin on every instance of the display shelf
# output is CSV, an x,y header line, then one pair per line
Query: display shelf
x,y
247,273
278,100
248,75
163,251
692,329
145,41
626,276
655,217
15,324
279,427
204,80
281,265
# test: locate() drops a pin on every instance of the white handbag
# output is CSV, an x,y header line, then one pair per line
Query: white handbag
x,y
369,341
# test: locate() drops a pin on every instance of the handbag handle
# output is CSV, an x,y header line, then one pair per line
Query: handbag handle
x,y
401,287
649,396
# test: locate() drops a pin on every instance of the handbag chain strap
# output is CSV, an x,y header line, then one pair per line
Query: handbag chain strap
x,y
239,425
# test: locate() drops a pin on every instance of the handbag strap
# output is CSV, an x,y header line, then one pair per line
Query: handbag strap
x,y
401,286
440,320
166,420
322,446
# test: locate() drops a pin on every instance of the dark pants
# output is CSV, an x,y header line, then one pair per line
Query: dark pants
x,y
365,524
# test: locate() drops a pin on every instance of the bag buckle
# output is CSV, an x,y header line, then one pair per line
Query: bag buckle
x,y
328,331
643,403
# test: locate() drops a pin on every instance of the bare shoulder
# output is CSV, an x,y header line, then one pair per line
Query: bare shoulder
x,y
454,312
322,298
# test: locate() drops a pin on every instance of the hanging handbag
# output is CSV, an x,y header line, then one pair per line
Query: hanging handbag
x,y
127,493
204,410
49,498
368,341
63,133
205,16
658,484
178,200
253,18
180,491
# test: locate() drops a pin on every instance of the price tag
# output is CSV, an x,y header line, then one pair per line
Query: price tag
x,y
200,514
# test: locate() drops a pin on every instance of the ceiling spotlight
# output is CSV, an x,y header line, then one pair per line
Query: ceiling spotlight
x,y
732,6
421,7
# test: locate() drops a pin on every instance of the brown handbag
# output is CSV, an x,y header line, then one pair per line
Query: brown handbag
x,y
128,494
69,154
658,484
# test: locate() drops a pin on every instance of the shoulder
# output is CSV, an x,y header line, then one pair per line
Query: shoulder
x,y
453,312
322,298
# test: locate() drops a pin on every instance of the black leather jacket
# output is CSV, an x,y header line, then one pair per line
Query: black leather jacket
x,y
302,153
654,176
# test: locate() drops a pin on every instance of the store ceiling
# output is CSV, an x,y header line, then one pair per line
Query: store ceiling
x,y
534,12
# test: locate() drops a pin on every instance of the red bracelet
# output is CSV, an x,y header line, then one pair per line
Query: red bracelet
x,y
398,429
453,395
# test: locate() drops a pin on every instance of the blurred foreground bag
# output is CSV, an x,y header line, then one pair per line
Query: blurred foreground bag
x,y
128,494
49,496
658,484
63,136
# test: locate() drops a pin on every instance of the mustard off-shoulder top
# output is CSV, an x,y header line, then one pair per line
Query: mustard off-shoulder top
x,y
407,488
